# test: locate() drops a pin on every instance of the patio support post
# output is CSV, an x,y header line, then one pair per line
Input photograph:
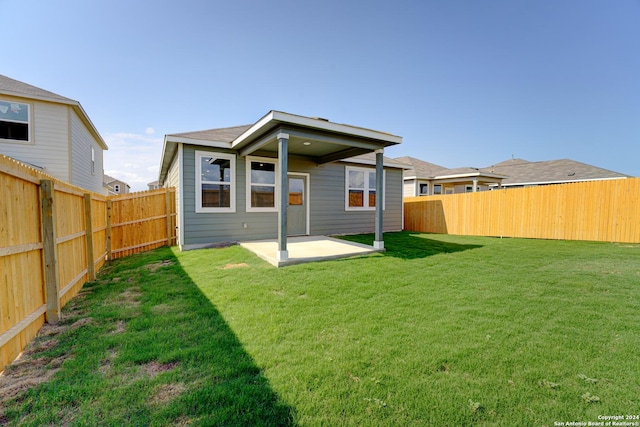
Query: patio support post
x,y
475,185
283,156
378,242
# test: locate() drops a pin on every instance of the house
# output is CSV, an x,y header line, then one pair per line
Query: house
x,y
423,178
522,173
51,133
285,175
154,185
115,186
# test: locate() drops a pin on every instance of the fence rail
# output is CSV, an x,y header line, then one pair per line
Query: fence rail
x,y
596,210
54,237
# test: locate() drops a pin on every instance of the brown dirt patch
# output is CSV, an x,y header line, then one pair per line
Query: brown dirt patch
x,y
155,266
239,265
166,393
26,372
129,298
154,368
120,327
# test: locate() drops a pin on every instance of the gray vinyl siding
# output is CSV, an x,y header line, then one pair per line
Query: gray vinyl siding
x,y
49,146
81,143
327,205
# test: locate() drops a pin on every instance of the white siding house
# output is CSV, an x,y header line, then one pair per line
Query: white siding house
x,y
50,132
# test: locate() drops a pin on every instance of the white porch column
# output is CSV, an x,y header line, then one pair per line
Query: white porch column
x,y
283,165
378,242
475,185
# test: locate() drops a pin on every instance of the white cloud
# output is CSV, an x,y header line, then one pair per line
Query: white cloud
x,y
149,131
133,158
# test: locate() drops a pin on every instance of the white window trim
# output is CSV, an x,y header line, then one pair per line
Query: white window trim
x,y
366,180
250,159
232,184
29,124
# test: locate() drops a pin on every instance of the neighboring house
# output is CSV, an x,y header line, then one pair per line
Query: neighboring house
x,y
50,132
154,185
230,181
423,178
115,186
521,173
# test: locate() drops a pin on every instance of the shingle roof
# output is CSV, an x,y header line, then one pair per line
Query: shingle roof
x,y
522,172
227,134
10,86
420,168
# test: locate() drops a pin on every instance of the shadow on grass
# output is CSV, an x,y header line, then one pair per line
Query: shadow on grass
x,y
155,352
408,245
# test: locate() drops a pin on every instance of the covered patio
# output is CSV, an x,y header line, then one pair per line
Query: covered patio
x,y
308,249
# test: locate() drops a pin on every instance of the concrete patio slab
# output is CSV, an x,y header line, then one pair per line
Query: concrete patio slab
x,y
308,249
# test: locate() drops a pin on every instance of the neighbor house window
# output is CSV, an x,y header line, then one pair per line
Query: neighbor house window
x,y
116,188
215,182
360,188
261,184
437,188
424,189
14,121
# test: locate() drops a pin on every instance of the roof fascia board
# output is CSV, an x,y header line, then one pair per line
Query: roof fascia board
x,y
470,175
201,142
336,127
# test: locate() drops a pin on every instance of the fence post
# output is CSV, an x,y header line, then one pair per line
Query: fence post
x,y
88,225
50,250
109,230
168,210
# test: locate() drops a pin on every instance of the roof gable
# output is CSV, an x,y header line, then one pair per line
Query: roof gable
x,y
14,87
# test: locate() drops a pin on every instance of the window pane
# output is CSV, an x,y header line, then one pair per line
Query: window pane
x,y
262,196
372,198
263,173
356,198
215,170
16,131
216,196
14,111
437,189
372,180
356,179
296,191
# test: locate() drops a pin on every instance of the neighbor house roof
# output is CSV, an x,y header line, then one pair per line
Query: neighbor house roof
x,y
419,168
522,172
107,180
12,87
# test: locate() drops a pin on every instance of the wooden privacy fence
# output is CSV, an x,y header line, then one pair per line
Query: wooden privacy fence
x,y
597,210
53,239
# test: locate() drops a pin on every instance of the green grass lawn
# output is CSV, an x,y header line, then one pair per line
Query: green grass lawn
x,y
438,331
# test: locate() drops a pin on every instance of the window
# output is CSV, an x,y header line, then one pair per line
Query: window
x,y
468,189
14,121
437,189
261,184
424,189
116,188
215,182
360,188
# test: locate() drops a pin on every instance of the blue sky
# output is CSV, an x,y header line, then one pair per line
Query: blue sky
x,y
464,82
